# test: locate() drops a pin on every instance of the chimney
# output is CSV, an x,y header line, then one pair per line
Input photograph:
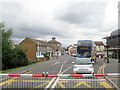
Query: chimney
x,y
53,38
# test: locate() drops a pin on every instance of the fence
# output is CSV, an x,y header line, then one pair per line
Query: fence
x,y
46,80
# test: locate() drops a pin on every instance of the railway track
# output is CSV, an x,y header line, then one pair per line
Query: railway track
x,y
101,71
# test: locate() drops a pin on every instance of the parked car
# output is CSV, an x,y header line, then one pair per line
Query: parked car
x,y
83,65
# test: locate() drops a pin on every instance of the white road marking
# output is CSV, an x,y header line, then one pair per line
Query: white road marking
x,y
55,83
65,61
66,69
50,83
55,63
54,79
58,78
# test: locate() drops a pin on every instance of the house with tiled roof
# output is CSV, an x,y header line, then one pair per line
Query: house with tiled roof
x,y
99,48
57,46
35,48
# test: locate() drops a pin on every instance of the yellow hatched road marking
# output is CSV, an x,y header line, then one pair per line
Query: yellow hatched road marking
x,y
82,82
60,83
2,83
32,81
105,84
9,81
41,85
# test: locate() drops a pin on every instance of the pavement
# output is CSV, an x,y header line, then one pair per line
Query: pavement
x,y
112,66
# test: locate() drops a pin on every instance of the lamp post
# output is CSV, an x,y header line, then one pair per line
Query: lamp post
x,y
53,52
57,53
107,46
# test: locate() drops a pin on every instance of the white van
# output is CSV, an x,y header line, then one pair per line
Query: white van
x,y
83,65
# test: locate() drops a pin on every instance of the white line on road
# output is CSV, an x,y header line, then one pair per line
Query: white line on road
x,y
55,82
65,61
62,67
55,63
50,83
66,69
54,79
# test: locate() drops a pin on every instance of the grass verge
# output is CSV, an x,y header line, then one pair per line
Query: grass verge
x,y
9,70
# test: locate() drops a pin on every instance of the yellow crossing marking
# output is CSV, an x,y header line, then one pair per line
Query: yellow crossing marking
x,y
41,85
82,82
9,81
105,84
31,80
60,83
18,77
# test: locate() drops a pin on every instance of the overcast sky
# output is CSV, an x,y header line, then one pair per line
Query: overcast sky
x,y
67,20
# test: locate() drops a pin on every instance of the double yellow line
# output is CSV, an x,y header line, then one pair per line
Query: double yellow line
x,y
103,83
101,69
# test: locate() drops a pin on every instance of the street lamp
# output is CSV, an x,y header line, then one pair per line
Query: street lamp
x,y
57,53
53,52
107,46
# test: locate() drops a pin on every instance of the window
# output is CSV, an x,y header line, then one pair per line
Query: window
x,y
42,53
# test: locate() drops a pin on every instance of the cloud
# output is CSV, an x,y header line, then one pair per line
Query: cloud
x,y
84,14
67,20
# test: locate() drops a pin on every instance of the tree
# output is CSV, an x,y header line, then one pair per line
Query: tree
x,y
47,55
11,56
6,46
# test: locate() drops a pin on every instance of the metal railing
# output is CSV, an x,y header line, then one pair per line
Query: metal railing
x,y
46,80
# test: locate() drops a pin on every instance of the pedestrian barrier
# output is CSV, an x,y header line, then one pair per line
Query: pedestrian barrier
x,y
60,75
46,80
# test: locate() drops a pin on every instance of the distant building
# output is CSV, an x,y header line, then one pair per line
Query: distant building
x,y
35,48
113,41
99,48
72,49
57,46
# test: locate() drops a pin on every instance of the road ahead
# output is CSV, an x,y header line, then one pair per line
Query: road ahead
x,y
62,65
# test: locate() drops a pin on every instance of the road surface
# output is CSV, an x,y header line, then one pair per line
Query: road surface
x,y
62,65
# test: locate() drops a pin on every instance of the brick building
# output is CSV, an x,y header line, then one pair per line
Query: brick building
x,y
35,48
57,46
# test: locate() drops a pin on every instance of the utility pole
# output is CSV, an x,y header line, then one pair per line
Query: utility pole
x,y
38,53
107,46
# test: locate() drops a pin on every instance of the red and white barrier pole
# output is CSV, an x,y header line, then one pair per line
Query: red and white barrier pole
x,y
59,75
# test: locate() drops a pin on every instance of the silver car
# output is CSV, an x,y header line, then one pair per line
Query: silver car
x,y
83,65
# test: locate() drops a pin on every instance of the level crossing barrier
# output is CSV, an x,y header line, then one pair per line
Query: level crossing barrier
x,y
60,80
